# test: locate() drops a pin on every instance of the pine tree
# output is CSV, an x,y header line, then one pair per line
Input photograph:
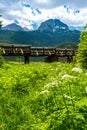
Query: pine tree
x,y
0,22
82,50
1,58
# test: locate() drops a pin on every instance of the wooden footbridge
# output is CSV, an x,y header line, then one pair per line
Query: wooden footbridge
x,y
51,53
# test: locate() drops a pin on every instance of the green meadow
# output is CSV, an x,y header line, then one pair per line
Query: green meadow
x,y
43,96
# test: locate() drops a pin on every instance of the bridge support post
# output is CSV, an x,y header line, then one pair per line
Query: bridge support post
x,y
26,59
51,58
69,59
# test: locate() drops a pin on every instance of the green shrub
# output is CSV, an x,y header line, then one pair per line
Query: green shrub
x,y
82,50
1,58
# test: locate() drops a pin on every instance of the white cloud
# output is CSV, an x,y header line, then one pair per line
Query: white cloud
x,y
24,11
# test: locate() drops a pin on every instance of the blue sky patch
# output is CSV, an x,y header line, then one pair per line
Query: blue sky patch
x,y
76,12
16,21
67,8
26,5
34,25
38,11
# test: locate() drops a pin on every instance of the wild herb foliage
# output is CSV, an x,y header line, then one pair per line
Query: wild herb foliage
x,y
42,96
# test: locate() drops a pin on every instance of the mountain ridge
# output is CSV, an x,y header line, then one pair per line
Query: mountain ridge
x,y
48,25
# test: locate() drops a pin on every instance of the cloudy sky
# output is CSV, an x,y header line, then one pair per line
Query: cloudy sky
x,y
30,13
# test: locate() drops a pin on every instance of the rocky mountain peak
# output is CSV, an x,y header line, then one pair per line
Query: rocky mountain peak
x,y
14,27
53,25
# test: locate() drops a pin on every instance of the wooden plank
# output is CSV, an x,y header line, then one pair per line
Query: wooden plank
x,y
36,52
3,50
21,51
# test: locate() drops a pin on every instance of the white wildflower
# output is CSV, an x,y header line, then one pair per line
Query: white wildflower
x,y
86,74
44,91
79,70
66,76
66,96
52,84
86,89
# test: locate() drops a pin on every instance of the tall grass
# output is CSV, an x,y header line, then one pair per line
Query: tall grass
x,y
42,96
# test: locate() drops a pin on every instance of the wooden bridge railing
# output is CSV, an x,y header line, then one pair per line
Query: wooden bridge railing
x,y
27,50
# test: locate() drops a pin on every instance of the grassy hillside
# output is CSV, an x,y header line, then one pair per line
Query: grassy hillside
x,y
42,96
69,45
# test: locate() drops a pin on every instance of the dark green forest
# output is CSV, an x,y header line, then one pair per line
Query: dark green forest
x,y
37,38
